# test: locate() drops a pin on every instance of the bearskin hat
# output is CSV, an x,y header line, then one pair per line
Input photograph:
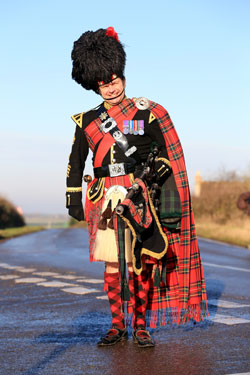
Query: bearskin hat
x,y
97,56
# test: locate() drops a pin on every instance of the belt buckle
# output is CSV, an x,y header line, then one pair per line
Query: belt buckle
x,y
117,169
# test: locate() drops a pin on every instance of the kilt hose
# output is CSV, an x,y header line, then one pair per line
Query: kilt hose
x,y
113,288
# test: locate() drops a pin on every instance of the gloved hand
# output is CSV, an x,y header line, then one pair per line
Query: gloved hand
x,y
77,212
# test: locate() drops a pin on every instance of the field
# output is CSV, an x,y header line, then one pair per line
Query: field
x,y
216,213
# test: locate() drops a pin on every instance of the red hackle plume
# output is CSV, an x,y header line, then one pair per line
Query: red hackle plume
x,y
110,31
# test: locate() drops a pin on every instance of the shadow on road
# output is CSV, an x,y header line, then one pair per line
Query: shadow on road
x,y
85,330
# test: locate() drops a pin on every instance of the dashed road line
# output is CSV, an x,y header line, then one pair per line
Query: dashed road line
x,y
55,284
25,270
102,297
93,281
8,277
45,273
9,267
29,280
226,267
80,290
66,277
227,319
16,268
225,304
240,373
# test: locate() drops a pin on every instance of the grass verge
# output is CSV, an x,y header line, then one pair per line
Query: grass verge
x,y
236,232
14,232
79,224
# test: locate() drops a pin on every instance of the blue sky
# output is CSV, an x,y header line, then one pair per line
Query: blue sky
x,y
192,57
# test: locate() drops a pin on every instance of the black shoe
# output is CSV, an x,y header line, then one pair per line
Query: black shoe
x,y
142,338
113,336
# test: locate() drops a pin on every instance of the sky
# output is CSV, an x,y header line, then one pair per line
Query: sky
x,y
192,57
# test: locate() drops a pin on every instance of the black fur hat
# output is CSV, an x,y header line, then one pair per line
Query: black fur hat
x,y
97,56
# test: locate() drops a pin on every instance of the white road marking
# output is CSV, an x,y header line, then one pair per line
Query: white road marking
x,y
80,290
102,297
25,270
45,273
93,281
227,319
67,277
81,280
8,266
3,265
17,268
30,280
55,284
225,304
8,277
241,373
226,267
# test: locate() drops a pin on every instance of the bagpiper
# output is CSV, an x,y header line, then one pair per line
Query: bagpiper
x,y
137,206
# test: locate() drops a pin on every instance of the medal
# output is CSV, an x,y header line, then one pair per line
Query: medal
x,y
130,126
135,127
125,127
141,127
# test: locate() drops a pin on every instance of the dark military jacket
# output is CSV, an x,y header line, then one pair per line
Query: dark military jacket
x,y
83,141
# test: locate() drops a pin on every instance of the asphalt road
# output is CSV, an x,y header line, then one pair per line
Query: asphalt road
x,y
53,310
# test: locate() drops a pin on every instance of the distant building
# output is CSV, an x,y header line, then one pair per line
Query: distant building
x,y
197,184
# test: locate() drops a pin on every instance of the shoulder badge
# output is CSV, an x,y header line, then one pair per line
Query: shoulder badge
x,y
151,118
78,119
142,103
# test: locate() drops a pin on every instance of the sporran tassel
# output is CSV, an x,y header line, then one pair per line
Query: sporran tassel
x,y
107,213
102,225
111,221
125,291
157,277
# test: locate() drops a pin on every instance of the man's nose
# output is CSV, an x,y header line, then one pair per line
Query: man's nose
x,y
111,88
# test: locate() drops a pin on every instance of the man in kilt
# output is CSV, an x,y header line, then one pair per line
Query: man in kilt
x,y
138,204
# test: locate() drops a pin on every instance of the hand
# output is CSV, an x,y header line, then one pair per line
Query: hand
x,y
76,212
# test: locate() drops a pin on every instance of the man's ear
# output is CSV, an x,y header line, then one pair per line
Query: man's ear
x,y
124,83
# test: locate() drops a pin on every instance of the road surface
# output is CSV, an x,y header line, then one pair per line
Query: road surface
x,y
53,310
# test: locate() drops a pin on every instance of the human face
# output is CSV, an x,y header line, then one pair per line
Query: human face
x,y
113,92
